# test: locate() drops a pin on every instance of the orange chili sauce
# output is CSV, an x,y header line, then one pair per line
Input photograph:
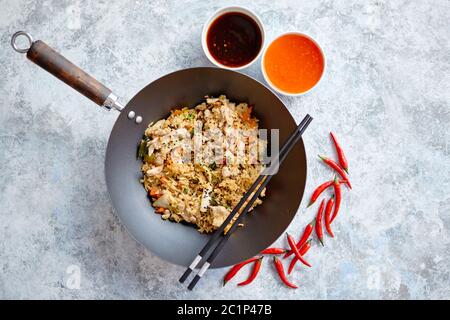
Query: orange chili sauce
x,y
293,63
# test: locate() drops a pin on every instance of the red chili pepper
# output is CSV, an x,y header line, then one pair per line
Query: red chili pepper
x,y
319,230
328,217
280,270
319,190
236,268
337,168
337,194
303,251
303,239
296,251
273,251
256,268
342,159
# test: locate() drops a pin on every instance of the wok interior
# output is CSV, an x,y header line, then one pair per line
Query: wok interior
x,y
176,242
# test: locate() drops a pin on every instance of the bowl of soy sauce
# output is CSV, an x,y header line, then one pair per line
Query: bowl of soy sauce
x,y
233,38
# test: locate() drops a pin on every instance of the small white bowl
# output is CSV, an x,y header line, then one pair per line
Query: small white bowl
x,y
275,88
220,12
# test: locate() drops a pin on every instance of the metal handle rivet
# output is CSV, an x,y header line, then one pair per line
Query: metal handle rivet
x,y
131,115
138,119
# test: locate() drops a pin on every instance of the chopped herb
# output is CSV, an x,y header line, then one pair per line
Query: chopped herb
x,y
185,190
148,158
142,149
214,179
213,200
213,166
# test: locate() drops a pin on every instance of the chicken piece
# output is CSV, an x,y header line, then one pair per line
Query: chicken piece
x,y
154,171
228,171
151,149
164,200
188,217
208,114
157,129
206,198
201,106
219,214
211,100
226,114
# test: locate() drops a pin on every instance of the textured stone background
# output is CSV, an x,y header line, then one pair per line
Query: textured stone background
x,y
386,94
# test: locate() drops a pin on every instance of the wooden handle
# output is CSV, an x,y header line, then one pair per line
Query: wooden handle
x,y
47,58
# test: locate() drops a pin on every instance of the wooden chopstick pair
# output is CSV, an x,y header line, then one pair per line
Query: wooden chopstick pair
x,y
259,184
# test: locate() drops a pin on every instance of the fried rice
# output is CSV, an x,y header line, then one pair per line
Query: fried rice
x,y
200,191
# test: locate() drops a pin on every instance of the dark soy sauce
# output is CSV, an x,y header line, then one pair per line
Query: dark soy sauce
x,y
234,39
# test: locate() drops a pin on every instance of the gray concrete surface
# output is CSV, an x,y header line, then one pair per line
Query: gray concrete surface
x,y
386,94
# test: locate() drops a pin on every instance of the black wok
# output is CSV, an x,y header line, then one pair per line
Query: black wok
x,y
179,243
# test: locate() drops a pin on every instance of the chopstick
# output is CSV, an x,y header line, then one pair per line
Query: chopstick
x,y
287,147
235,210
283,154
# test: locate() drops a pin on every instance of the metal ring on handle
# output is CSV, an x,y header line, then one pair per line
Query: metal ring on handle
x,y
21,33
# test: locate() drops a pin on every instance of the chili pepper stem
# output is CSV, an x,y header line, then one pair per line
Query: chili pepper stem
x,y
311,203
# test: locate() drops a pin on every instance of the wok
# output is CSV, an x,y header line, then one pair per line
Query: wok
x,y
176,242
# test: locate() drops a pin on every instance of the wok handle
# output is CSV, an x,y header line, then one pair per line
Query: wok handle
x,y
53,62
